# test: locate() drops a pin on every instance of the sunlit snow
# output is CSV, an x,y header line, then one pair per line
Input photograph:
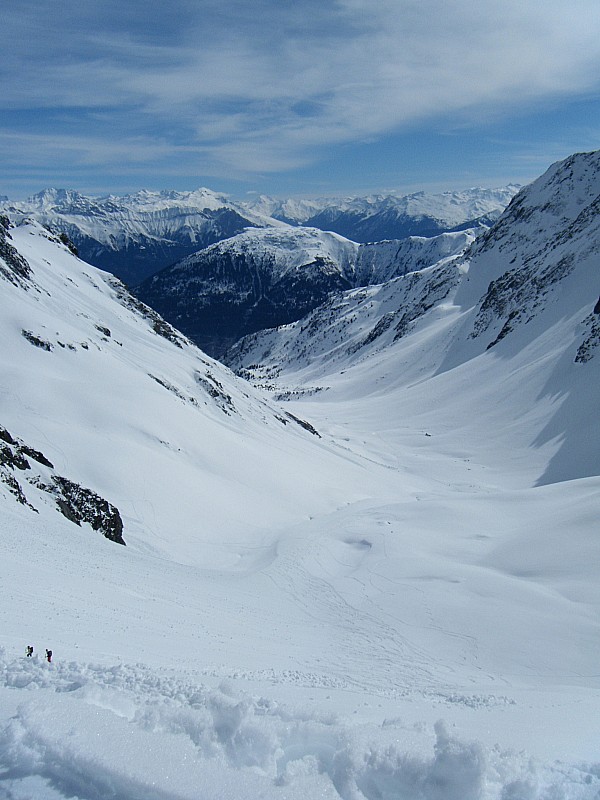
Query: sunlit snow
x,y
404,606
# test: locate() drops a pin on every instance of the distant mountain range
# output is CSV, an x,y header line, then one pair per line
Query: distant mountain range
x,y
139,234
392,216
136,235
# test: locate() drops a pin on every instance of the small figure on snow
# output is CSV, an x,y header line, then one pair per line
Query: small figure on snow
x,y
29,650
49,656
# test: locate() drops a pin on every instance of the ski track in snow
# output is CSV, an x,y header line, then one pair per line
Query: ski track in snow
x,y
363,638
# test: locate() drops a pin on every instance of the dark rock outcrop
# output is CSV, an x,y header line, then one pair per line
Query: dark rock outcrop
x,y
75,502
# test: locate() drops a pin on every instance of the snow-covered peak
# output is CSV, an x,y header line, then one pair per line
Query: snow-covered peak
x,y
294,210
58,201
382,261
266,277
551,224
138,234
146,200
288,248
451,208
566,188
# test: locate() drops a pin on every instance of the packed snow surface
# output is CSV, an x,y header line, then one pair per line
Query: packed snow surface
x,y
400,607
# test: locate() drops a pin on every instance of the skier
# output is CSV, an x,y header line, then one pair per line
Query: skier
x,y
29,651
49,656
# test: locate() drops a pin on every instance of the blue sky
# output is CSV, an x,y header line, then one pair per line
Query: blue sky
x,y
312,97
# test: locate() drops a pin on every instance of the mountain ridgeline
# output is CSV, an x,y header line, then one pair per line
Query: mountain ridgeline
x,y
268,277
220,295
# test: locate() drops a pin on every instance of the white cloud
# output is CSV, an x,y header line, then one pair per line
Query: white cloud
x,y
266,84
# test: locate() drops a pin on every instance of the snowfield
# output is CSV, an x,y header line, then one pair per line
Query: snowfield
x,y
384,587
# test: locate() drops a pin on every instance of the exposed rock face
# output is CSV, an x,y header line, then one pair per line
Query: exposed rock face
x,y
13,267
591,337
257,280
30,477
537,253
82,505
266,278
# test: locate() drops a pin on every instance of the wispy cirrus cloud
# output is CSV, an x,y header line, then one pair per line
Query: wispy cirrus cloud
x,y
240,88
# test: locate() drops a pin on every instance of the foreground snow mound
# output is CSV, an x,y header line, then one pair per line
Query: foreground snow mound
x,y
86,730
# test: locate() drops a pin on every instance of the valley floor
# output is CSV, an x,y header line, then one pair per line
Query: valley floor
x,y
438,642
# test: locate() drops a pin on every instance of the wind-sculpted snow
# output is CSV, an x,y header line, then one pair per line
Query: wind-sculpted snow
x,y
101,731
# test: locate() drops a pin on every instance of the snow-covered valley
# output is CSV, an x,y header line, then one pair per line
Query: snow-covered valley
x,y
372,576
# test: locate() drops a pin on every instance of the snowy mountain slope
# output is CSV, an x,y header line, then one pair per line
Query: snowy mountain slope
x,y
138,234
91,352
263,278
390,609
255,280
526,289
382,261
348,328
542,252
